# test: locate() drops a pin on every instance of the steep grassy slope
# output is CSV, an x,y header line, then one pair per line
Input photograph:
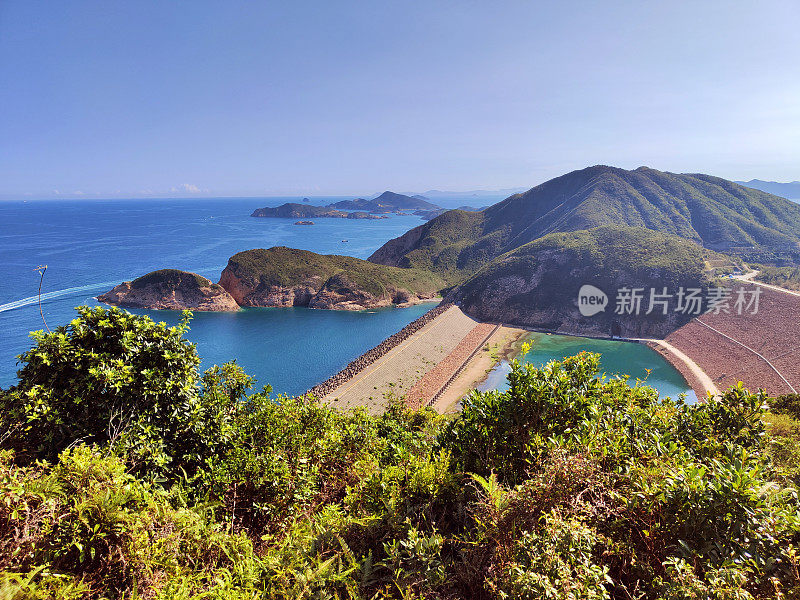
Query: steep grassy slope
x,y
537,284
719,214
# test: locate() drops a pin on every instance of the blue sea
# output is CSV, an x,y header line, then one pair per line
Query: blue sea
x,y
89,246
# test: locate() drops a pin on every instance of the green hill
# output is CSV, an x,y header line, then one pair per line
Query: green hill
x,y
262,277
718,214
537,284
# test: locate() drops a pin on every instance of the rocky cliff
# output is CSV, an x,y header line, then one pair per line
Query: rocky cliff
x,y
171,289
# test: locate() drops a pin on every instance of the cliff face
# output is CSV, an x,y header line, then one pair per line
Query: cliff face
x,y
171,289
280,277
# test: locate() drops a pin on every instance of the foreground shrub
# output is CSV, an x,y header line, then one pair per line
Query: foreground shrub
x,y
566,486
85,527
110,377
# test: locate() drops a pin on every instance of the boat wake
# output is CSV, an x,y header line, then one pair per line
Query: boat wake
x,y
56,294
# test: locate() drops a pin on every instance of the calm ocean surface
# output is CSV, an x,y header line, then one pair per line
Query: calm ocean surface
x,y
617,358
92,245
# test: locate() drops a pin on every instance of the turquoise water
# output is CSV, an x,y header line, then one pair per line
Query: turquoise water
x,y
616,358
90,246
292,349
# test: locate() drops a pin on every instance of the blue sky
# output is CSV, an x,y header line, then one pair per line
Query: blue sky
x,y
257,98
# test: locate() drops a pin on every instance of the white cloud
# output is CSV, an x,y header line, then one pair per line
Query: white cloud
x,y
188,188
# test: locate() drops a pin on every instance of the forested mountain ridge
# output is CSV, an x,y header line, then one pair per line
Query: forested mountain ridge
x,y
713,212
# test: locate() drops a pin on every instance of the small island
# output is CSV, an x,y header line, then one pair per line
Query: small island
x,y
304,222
171,289
360,208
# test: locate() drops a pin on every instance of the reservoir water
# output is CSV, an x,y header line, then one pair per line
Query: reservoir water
x,y
617,358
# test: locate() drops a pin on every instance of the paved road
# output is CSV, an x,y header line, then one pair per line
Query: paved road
x,y
701,375
748,278
397,371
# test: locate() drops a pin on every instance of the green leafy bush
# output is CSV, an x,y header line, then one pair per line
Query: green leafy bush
x,y
566,486
110,377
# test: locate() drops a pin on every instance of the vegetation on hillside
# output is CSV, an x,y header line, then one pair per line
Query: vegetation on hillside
x,y
538,284
386,202
718,214
603,254
171,278
294,210
785,277
438,246
565,486
283,266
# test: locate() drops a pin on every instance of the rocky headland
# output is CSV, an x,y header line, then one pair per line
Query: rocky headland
x,y
289,277
280,277
171,289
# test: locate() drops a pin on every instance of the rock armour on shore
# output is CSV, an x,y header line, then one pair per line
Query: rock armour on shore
x,y
435,380
370,356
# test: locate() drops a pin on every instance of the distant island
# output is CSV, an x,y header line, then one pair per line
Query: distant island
x,y
360,208
293,210
789,190
387,202
304,222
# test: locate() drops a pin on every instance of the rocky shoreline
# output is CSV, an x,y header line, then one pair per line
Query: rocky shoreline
x,y
373,354
171,289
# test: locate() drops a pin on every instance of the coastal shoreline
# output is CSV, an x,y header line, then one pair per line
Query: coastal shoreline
x,y
698,380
